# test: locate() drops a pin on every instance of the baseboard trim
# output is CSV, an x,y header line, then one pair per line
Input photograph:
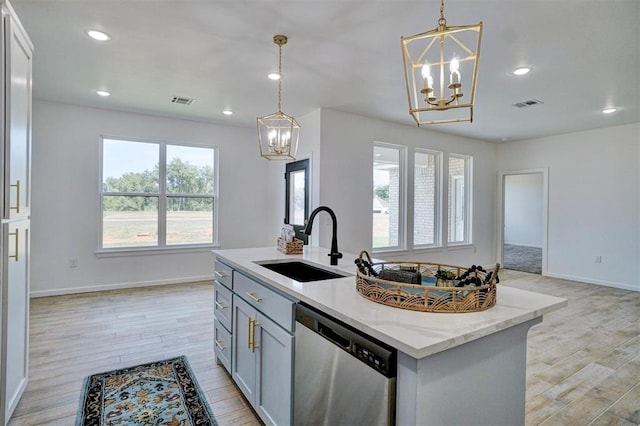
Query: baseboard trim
x,y
592,281
119,286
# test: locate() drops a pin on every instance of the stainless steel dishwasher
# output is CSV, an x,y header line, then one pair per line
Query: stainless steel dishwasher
x,y
342,376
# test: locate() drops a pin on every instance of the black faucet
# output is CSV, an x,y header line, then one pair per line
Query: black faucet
x,y
335,254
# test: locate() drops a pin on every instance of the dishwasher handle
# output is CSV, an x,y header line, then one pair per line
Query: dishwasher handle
x,y
331,335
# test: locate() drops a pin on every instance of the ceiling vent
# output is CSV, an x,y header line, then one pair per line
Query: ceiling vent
x,y
182,100
530,102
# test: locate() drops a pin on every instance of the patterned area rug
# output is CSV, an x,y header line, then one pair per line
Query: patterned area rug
x,y
158,393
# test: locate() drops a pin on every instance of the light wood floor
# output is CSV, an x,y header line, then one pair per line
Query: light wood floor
x,y
583,361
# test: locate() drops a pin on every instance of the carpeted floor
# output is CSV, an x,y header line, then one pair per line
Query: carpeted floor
x,y
520,258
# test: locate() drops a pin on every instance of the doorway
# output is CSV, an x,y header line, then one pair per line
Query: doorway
x,y
523,220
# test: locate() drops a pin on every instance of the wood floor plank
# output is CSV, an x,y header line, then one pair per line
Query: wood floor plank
x,y
628,407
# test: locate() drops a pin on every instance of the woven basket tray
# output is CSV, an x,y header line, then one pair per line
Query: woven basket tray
x,y
432,295
293,247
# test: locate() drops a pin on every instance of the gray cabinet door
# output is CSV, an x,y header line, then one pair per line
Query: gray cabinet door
x,y
222,305
222,344
274,372
244,360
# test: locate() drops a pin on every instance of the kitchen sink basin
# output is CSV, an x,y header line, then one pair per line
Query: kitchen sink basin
x,y
300,271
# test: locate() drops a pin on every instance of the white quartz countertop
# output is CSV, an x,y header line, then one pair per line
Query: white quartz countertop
x,y
418,334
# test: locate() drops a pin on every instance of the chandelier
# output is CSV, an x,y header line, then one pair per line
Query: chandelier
x,y
278,132
441,69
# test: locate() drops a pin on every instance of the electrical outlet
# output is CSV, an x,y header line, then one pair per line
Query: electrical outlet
x,y
598,259
73,263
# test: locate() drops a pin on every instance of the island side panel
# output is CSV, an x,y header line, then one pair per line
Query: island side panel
x,y
482,382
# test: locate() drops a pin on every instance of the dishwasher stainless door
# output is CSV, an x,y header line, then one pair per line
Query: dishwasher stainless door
x,y
333,387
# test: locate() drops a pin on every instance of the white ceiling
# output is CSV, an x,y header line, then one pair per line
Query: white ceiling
x,y
342,54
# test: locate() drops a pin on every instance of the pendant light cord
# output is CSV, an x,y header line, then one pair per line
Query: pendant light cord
x,y
442,22
280,79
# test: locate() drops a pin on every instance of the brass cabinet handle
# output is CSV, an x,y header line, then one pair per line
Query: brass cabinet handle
x,y
17,187
249,332
253,337
17,235
220,306
219,345
255,298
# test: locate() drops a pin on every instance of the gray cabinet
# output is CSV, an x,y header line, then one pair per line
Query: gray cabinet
x,y
15,156
262,362
254,341
222,314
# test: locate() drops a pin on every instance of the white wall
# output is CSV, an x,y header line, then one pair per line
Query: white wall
x,y
594,194
346,178
309,148
594,201
523,210
66,209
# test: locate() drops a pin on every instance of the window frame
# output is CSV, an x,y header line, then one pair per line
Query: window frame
x,y
293,167
162,196
402,198
468,200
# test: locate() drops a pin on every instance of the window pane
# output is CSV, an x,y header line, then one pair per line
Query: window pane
x,y
386,197
130,166
189,170
129,221
424,199
458,202
296,197
189,220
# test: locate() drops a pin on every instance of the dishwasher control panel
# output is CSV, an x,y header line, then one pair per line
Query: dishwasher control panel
x,y
374,360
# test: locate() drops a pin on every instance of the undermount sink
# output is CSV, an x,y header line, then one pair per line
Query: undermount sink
x,y
300,271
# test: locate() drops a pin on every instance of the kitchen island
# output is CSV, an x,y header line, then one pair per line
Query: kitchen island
x,y
452,368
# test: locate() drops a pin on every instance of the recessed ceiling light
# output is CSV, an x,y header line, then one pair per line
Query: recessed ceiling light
x,y
274,76
103,93
227,112
98,35
609,110
521,70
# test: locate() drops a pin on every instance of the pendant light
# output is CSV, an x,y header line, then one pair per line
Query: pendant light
x,y
278,132
441,70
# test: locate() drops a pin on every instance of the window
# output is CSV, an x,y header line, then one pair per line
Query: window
x,y
297,196
388,196
459,206
426,203
156,194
